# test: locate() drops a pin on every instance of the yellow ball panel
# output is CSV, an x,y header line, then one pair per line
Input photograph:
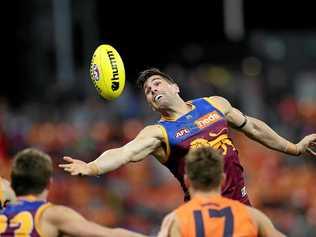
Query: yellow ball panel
x,y
107,72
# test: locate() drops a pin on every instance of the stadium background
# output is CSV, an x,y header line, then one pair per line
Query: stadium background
x,y
261,57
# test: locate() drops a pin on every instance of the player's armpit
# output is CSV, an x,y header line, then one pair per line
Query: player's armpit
x,y
160,154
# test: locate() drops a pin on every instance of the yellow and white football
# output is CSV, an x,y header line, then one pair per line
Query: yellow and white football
x,y
107,72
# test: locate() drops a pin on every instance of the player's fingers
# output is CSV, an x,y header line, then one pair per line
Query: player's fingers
x,y
64,165
68,168
68,159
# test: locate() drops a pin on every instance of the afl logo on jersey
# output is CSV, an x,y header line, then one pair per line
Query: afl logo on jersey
x,y
182,132
207,119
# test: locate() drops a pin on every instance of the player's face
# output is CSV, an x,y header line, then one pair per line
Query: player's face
x,y
159,92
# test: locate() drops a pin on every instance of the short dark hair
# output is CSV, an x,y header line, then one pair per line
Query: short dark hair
x,y
204,167
144,75
31,171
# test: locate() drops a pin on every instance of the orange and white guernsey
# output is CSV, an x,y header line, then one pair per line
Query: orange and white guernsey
x,y
204,125
215,216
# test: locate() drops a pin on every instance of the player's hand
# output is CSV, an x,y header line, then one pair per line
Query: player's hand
x,y
75,167
166,225
307,146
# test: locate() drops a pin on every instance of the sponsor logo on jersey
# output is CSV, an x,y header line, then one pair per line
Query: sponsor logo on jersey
x,y
182,132
207,120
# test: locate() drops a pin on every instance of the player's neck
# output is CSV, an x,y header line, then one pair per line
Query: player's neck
x,y
177,109
34,197
206,194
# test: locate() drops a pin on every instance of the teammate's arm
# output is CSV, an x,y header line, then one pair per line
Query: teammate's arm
x,y
261,132
145,143
58,220
265,226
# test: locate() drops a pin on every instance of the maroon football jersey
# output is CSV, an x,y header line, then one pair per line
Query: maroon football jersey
x,y
204,125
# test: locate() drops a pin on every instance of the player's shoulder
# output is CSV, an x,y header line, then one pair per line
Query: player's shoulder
x,y
218,99
232,202
183,210
53,212
154,130
235,205
220,103
187,207
195,204
256,215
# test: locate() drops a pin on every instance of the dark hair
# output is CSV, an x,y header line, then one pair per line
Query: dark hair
x,y
204,167
31,171
144,75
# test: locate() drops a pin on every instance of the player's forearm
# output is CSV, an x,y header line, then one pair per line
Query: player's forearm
x,y
108,161
136,150
262,133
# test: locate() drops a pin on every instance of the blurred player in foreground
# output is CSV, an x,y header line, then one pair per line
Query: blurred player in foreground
x,y
185,125
6,193
208,213
32,215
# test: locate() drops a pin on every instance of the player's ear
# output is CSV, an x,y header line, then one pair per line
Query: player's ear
x,y
175,87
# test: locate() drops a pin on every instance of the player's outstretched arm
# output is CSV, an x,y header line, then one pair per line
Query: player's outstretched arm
x,y
262,133
265,226
58,220
145,143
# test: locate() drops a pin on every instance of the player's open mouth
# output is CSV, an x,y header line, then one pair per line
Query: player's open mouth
x,y
157,97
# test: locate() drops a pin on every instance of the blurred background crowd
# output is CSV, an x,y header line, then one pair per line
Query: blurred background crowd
x,y
267,72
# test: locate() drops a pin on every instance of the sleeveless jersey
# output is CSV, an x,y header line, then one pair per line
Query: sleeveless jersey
x,y
22,218
215,216
204,125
